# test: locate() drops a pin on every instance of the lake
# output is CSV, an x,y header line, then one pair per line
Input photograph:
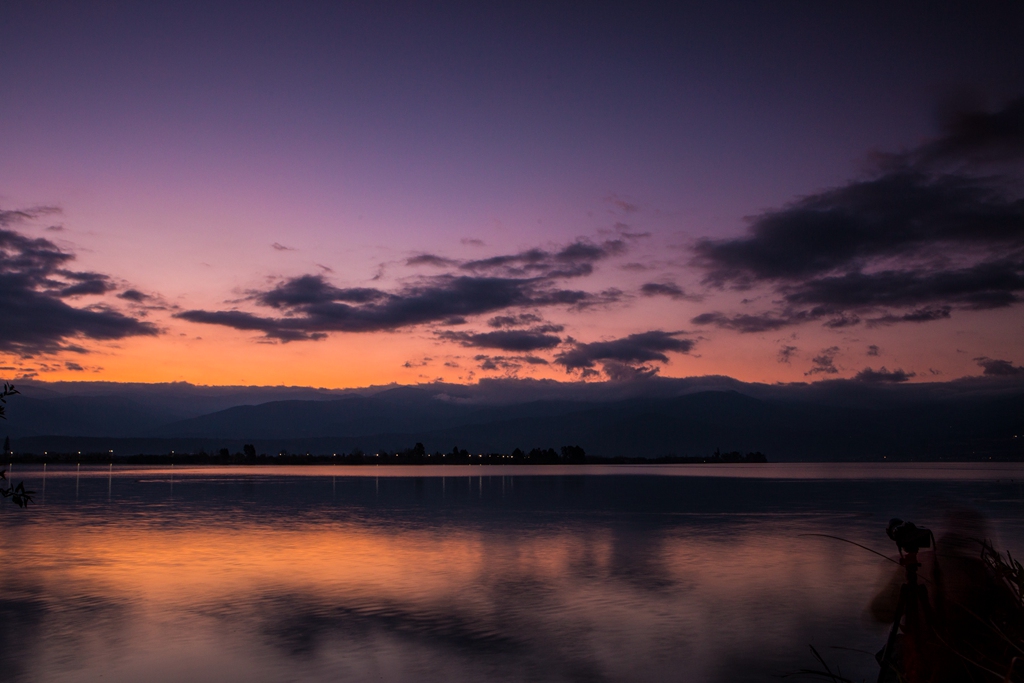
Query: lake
x,y
588,573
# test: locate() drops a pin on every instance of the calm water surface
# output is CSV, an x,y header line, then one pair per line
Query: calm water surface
x,y
683,573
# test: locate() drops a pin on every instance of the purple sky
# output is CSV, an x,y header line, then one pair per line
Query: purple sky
x,y
257,179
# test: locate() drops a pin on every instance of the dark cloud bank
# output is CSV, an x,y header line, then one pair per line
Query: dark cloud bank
x,y
934,230
36,286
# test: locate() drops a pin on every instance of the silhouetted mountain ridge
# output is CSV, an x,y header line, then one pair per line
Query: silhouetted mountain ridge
x,y
829,420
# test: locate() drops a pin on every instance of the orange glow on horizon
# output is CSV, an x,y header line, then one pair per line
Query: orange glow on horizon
x,y
212,355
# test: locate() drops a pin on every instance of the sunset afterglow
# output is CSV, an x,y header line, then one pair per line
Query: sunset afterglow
x,y
316,197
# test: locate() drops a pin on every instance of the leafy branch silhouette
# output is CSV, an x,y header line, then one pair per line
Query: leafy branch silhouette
x,y
18,495
9,390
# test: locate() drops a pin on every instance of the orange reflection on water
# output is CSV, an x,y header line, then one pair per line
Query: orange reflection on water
x,y
364,600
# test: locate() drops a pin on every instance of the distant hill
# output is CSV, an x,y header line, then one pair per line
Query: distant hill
x,y
839,420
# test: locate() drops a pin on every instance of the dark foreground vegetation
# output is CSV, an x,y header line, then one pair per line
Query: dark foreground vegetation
x,y
955,612
417,455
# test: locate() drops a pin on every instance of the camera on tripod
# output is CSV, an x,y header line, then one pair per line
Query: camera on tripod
x,y
913,611
908,536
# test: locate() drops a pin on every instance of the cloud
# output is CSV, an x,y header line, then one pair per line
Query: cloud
x,y
495,363
312,290
843,320
669,289
786,353
13,216
933,229
277,246
638,348
35,280
574,260
998,368
901,214
920,315
748,323
992,284
824,363
625,230
624,372
472,242
74,367
519,320
973,135
622,204
281,329
882,376
430,260
310,307
133,295
510,364
506,340
872,350
85,284
314,307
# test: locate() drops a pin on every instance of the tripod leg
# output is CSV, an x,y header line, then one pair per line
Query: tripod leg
x,y
932,628
885,662
913,640
926,607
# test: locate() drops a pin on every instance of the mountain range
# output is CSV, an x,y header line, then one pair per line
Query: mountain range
x,y
968,419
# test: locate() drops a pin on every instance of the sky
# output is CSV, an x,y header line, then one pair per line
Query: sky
x,y
339,195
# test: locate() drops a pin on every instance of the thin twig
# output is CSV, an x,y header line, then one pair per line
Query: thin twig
x,y
1013,663
846,540
827,673
851,649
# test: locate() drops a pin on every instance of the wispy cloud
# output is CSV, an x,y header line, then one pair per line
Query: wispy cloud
x,y
509,364
430,260
669,289
825,362
576,259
